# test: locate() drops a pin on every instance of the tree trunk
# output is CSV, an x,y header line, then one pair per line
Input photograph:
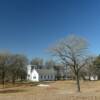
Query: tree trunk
x,y
78,82
89,78
21,79
83,77
13,79
3,78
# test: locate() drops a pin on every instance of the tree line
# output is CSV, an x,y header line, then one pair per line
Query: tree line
x,y
13,67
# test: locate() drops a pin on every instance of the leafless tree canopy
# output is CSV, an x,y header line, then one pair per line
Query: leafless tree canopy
x,y
71,50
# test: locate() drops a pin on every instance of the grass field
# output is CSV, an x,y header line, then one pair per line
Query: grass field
x,y
59,90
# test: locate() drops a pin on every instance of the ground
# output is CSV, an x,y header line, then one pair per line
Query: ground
x,y
59,90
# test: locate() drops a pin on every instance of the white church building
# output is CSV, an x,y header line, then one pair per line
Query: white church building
x,y
40,74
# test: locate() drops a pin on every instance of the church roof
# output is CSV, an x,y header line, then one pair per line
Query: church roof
x,y
46,71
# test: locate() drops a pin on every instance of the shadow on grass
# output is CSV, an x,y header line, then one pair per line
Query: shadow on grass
x,y
46,82
7,91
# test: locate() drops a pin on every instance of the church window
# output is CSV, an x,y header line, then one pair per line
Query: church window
x,y
44,76
28,75
41,77
34,77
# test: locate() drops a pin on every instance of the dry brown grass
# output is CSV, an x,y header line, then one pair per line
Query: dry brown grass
x,y
59,90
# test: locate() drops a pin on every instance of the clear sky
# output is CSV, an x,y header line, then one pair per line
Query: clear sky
x,y
31,26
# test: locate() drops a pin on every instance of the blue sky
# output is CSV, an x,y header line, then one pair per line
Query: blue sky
x,y
31,26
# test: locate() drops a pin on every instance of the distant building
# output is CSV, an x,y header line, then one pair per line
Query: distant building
x,y
92,78
35,74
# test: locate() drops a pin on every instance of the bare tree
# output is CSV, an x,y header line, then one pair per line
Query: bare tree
x,y
18,67
50,64
90,69
38,62
72,51
4,64
97,65
12,67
